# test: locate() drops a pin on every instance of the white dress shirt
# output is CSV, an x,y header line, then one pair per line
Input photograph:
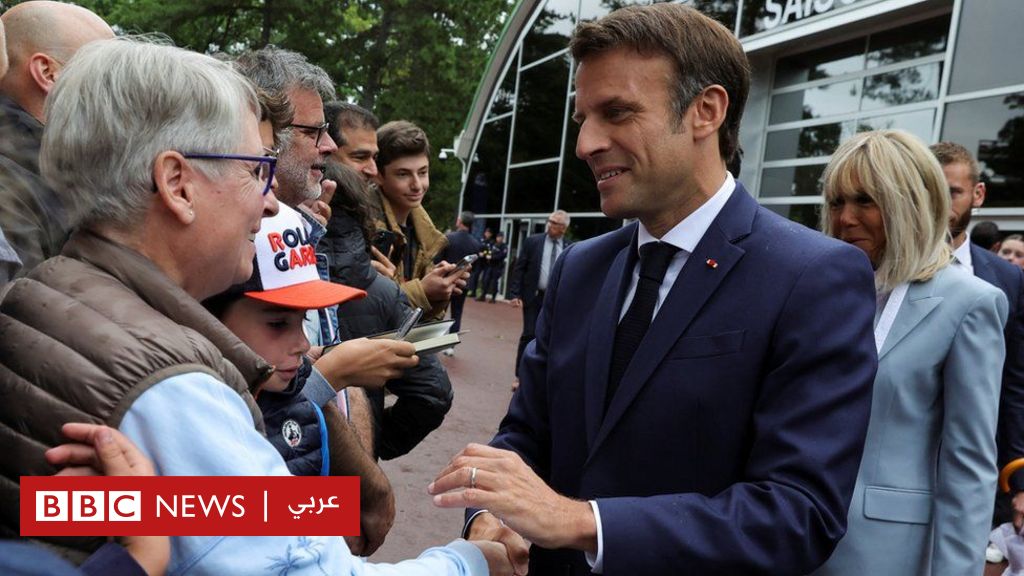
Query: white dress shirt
x,y
962,256
685,236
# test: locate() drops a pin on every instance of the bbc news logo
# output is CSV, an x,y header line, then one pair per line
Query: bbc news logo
x,y
88,506
190,506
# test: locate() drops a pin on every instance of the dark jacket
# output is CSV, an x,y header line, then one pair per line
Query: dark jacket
x,y
22,135
424,391
32,216
1010,431
296,426
525,277
460,244
732,443
498,253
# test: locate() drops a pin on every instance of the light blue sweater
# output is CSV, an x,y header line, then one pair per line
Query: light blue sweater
x,y
194,425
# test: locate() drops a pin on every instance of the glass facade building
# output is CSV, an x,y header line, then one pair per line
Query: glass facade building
x,y
822,71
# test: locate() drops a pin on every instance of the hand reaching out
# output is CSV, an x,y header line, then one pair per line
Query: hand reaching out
x,y
100,450
498,563
498,480
487,527
367,363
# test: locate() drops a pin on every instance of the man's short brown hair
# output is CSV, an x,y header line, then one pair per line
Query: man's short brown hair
x,y
952,153
399,139
703,53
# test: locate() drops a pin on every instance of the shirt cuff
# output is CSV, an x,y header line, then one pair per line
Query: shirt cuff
x,y
465,527
317,389
596,561
475,561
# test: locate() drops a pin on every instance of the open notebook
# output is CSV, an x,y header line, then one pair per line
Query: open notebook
x,y
428,338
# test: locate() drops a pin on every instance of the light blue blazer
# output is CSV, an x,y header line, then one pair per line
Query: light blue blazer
x,y
923,499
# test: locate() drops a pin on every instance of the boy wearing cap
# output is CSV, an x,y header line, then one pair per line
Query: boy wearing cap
x,y
266,312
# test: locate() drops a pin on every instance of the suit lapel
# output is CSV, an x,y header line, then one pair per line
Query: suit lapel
x,y
919,303
601,339
693,287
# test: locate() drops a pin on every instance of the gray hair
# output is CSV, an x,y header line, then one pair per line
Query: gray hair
x,y
562,214
276,71
117,106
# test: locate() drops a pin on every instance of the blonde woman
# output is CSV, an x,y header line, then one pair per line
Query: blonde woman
x,y
923,498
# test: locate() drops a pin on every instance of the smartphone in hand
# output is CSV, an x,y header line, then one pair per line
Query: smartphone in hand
x,y
464,263
383,240
408,322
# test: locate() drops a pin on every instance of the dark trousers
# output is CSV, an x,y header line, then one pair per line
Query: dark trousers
x,y
476,279
530,313
491,277
457,302
1003,511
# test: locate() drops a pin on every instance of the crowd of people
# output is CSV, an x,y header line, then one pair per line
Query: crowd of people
x,y
195,249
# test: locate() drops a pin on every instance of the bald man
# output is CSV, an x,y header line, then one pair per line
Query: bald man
x,y
41,37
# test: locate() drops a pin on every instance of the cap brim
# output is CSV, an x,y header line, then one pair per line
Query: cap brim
x,y
309,295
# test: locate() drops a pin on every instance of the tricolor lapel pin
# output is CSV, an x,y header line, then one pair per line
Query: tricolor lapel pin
x,y
711,263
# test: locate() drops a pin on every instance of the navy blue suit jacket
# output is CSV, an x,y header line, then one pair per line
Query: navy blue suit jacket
x,y
1010,431
735,436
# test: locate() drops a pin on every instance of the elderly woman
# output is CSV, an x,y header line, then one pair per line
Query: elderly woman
x,y
158,150
923,498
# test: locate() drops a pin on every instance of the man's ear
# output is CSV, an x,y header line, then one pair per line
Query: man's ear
x,y
979,195
709,108
174,182
44,71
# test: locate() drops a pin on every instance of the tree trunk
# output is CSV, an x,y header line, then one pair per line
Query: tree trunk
x,y
377,58
265,33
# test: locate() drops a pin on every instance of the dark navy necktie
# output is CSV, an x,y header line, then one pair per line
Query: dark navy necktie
x,y
654,260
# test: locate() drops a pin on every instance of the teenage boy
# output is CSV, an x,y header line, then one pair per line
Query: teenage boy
x,y
403,166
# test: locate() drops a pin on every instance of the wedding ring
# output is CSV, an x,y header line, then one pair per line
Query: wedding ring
x,y
472,477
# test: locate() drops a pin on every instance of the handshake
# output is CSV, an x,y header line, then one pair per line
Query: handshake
x,y
516,505
507,553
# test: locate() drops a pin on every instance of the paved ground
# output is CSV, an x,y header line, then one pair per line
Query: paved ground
x,y
481,373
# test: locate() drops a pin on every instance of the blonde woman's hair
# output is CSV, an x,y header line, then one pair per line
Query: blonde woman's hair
x,y
903,178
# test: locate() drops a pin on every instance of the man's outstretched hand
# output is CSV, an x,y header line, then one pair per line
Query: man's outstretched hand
x,y
509,489
486,526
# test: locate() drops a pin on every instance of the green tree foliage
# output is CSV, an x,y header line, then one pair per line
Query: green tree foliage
x,y
418,60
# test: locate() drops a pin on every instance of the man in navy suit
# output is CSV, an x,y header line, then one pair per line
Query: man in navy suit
x,y
530,275
725,437
968,192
